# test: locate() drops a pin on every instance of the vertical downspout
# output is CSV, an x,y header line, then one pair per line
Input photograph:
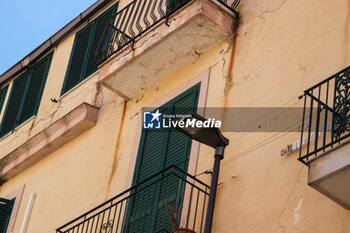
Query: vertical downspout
x,y
28,212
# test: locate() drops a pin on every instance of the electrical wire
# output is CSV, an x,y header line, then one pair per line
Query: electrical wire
x,y
228,134
254,147
251,131
266,141
262,143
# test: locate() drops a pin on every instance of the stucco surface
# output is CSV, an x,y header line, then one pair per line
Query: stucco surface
x,y
282,48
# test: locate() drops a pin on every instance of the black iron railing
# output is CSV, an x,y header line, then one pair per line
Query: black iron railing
x,y
149,206
137,18
326,116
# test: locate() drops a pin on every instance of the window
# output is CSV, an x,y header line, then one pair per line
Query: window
x,y
82,62
158,149
5,213
25,96
2,97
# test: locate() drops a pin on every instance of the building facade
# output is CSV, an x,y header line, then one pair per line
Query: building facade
x,y
76,154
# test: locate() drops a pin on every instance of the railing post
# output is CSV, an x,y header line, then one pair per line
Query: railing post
x,y
219,155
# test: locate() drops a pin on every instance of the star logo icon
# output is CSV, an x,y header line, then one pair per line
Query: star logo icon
x,y
156,115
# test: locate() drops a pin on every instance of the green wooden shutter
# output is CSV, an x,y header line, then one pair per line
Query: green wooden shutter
x,y
82,62
177,152
35,89
157,150
5,213
9,121
101,23
76,64
25,96
140,211
2,97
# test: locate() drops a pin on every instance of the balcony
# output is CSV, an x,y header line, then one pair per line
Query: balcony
x,y
325,135
150,39
168,201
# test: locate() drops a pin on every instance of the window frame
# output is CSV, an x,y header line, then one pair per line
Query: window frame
x,y
82,77
196,88
28,72
17,196
10,204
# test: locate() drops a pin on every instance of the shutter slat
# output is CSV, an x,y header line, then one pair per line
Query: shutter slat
x,y
37,81
13,105
82,63
5,213
155,155
101,23
79,52
28,89
177,152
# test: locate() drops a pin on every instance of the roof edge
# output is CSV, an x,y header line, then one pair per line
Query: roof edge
x,y
53,41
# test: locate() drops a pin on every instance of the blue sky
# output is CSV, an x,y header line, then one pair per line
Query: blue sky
x,y
26,24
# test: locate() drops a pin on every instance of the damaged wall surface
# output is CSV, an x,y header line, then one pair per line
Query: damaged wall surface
x,y
281,47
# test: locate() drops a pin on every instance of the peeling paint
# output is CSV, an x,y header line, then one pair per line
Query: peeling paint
x,y
288,199
296,214
139,99
98,100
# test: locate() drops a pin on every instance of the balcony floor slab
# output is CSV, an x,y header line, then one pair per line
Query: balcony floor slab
x,y
330,174
165,49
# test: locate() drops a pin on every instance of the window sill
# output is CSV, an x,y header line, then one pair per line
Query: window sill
x,y
48,140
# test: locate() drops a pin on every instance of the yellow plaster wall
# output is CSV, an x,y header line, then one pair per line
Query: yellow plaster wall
x,y
282,48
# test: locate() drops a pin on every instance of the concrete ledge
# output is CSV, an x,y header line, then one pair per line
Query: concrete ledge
x,y
330,174
161,51
49,140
